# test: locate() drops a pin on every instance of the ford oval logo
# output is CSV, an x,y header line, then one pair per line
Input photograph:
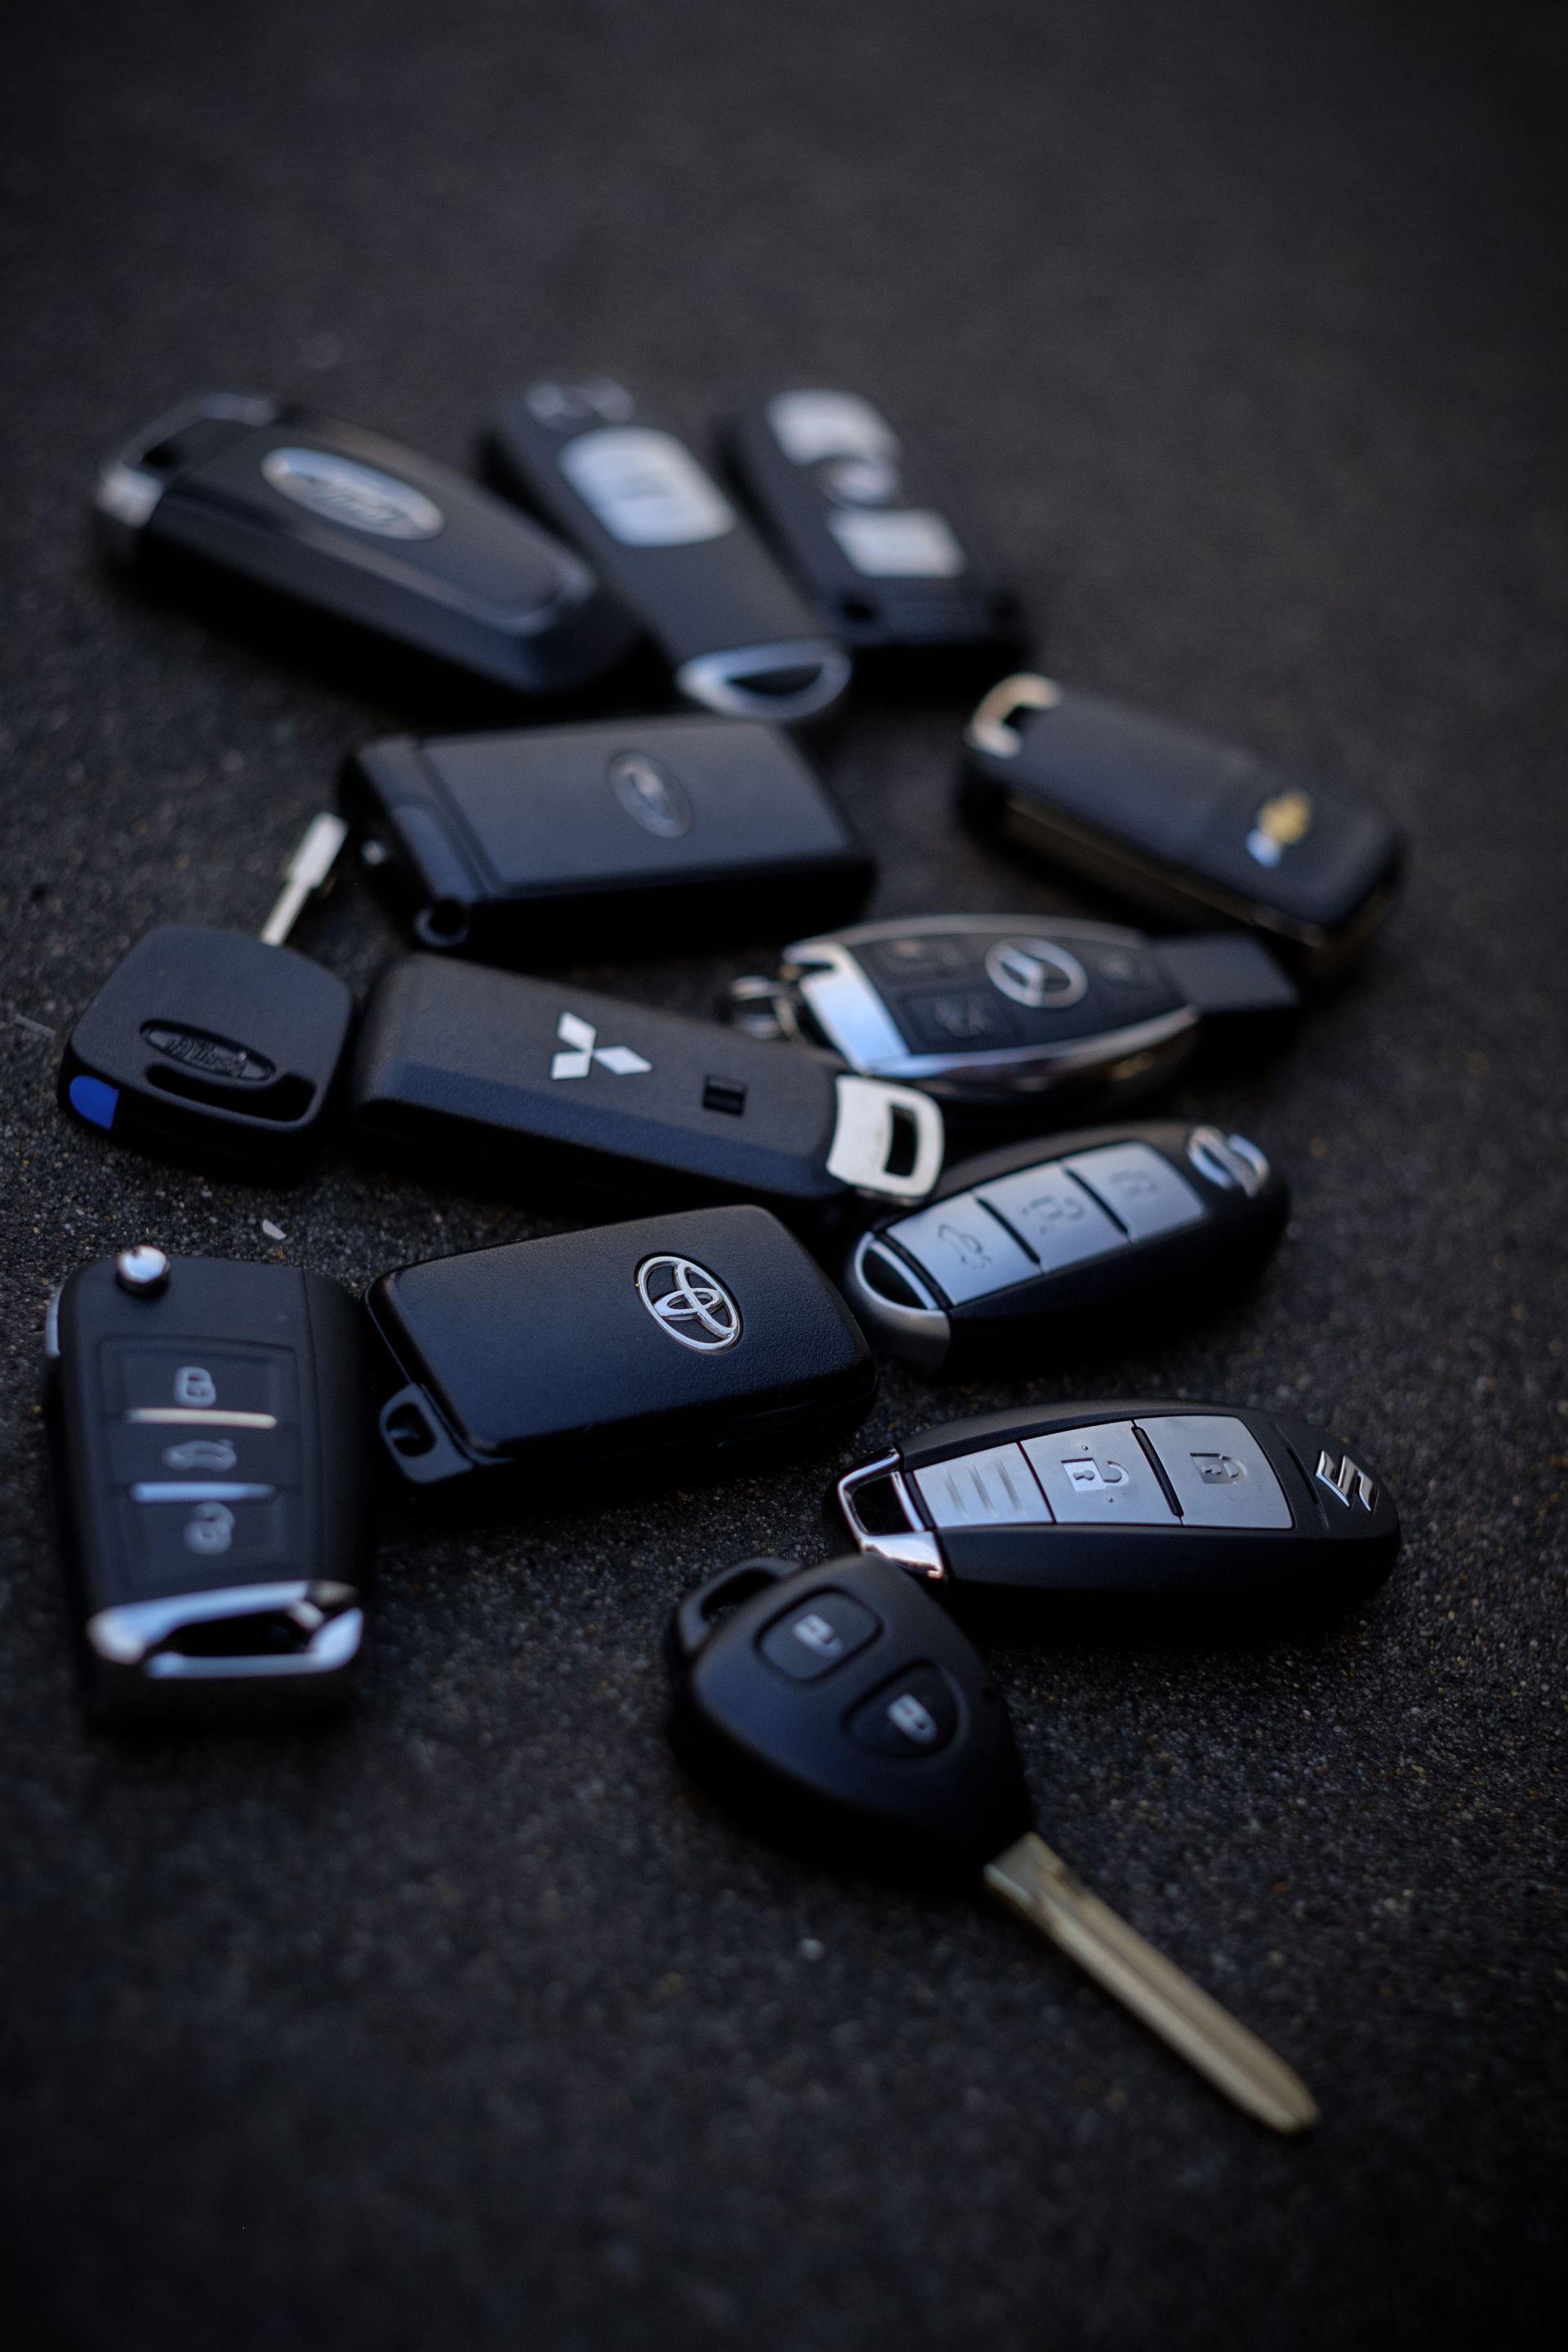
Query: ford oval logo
x,y
360,496
689,1303
212,1057
651,795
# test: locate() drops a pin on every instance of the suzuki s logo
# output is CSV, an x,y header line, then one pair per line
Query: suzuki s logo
x,y
1034,973
579,1038
651,795
689,1303
360,496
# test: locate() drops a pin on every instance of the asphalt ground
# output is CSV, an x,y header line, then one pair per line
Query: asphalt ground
x,y
1237,332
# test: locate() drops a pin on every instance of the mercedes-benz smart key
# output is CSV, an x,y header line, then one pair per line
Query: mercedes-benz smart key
x,y
209,1452
348,524
657,527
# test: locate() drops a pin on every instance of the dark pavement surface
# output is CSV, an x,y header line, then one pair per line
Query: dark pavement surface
x,y
468,2021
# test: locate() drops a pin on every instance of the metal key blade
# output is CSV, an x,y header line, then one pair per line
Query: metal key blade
x,y
306,871
1037,1882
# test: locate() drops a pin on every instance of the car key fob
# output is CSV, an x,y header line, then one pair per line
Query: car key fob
x,y
856,524
346,523
1029,1017
514,1083
1177,823
657,529
1177,1502
658,1345
209,1454
660,830
1110,1221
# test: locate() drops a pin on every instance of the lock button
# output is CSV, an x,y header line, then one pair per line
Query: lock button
x,y
1221,1475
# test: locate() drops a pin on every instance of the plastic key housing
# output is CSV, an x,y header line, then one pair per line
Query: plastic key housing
x,y
734,631
642,1348
896,1744
207,1047
521,1083
209,1446
502,846
1131,1501
346,523
1185,827
858,521
1050,1239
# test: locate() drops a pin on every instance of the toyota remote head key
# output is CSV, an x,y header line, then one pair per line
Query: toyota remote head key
x,y
348,524
655,1345
209,1451
503,847
842,1703
1110,1221
516,1083
1185,826
1180,1503
656,526
857,523
1030,1017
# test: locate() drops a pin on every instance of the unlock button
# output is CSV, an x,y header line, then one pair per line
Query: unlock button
x,y
1098,1478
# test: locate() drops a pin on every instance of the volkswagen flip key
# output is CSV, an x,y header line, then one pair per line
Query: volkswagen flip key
x,y
1182,825
509,846
737,635
209,1451
346,523
854,520
1027,1017
659,1345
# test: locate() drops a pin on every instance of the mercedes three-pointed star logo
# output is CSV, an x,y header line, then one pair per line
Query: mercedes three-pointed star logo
x,y
689,1303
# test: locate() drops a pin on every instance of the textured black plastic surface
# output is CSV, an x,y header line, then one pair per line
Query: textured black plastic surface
x,y
785,1747
546,1356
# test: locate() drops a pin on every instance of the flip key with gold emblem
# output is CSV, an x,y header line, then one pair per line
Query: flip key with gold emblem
x,y
1179,823
662,1345
1171,1502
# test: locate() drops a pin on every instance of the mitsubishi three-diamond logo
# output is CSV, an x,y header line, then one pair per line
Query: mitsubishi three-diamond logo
x,y
582,1051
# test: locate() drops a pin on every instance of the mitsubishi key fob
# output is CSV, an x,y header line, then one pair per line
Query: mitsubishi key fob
x,y
516,1083
656,526
1181,825
642,1348
1031,1018
1182,1503
209,1454
1110,1222
656,830
346,523
856,521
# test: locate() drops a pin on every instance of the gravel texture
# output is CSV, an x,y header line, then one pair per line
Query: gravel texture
x,y
468,2021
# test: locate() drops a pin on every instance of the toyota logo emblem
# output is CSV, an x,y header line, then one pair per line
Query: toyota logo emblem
x,y
689,1303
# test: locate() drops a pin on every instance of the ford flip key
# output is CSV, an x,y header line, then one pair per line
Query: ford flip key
x,y
659,1346
1021,1017
1181,825
342,521
515,848
209,1441
856,522
738,637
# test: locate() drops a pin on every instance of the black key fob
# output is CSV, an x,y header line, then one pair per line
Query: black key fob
x,y
658,529
858,525
347,523
1108,1223
210,1047
209,1451
1177,823
508,1083
656,1346
1032,1017
1182,1503
660,830
842,1702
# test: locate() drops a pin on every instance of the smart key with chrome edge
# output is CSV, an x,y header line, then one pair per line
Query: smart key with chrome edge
x,y
1111,1222
1134,1501
840,1703
209,1454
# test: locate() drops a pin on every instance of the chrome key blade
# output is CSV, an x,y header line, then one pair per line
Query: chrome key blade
x,y
308,870
1037,1883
